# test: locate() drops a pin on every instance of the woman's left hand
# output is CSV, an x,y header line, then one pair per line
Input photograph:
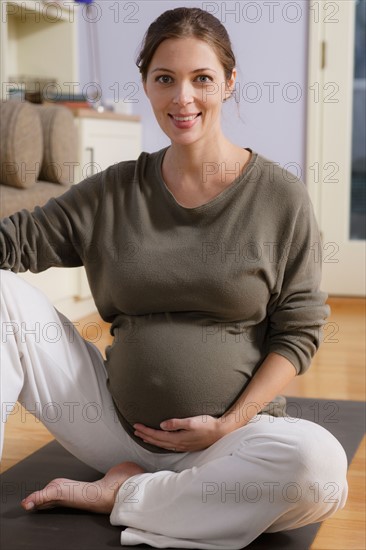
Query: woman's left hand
x,y
183,434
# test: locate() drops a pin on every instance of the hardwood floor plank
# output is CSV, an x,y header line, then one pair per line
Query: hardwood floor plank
x,y
346,529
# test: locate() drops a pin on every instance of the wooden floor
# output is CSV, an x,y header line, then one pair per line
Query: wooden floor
x,y
337,372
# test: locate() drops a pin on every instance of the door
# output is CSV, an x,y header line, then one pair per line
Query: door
x,y
336,140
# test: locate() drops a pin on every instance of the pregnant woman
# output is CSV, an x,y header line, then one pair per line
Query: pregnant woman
x,y
201,256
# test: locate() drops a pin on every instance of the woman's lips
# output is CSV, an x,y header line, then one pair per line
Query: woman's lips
x,y
184,122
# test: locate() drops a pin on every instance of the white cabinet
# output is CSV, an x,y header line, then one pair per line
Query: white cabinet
x,y
122,133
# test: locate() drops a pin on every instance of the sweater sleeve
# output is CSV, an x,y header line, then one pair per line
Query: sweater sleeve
x,y
54,235
297,309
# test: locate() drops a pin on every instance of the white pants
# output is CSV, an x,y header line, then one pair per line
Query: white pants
x,y
273,474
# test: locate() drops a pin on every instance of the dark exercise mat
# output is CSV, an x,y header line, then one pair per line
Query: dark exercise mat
x,y
68,529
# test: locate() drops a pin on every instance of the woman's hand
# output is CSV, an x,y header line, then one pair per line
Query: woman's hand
x,y
184,434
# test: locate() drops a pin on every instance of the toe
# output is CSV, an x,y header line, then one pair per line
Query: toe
x,y
46,498
28,505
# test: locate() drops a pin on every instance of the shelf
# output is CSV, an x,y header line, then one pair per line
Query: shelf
x,y
107,115
39,39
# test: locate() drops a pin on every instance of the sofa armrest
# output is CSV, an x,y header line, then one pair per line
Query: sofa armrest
x,y
12,199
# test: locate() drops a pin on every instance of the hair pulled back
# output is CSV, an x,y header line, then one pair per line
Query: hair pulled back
x,y
187,23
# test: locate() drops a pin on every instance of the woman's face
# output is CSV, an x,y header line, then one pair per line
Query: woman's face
x,y
186,78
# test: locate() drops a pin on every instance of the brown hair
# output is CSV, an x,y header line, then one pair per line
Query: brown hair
x,y
186,23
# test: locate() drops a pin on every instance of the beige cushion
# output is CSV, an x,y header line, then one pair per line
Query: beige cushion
x,y
60,144
12,200
21,144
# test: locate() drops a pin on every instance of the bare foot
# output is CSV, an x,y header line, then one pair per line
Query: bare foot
x,y
97,496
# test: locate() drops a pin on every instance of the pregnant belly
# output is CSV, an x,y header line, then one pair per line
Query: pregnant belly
x,y
174,365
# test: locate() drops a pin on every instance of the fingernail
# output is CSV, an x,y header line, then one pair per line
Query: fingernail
x,y
29,506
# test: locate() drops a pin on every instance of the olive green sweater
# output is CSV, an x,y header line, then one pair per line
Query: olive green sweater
x,y
197,297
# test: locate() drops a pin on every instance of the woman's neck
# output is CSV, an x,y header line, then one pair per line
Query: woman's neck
x,y
201,162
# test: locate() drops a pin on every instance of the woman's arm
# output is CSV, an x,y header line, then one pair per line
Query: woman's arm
x,y
271,378
53,235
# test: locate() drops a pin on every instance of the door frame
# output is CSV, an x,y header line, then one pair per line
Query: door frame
x,y
329,137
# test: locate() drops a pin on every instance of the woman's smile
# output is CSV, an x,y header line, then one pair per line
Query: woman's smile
x,y
184,121
184,84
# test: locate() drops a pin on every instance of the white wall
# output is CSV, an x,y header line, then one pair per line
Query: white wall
x,y
270,42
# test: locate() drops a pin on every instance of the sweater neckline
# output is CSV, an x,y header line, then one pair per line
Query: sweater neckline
x,y
212,202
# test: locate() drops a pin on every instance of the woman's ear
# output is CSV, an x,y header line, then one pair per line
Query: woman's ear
x,y
231,82
230,85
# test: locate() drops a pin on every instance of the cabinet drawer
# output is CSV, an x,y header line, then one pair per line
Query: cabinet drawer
x,y
106,142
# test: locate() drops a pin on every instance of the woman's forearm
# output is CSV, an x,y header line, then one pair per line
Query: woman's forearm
x,y
271,378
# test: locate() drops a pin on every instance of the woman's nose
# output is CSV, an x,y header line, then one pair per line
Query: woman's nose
x,y
183,94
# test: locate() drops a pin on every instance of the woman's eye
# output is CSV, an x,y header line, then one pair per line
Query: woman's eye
x,y
164,79
205,78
